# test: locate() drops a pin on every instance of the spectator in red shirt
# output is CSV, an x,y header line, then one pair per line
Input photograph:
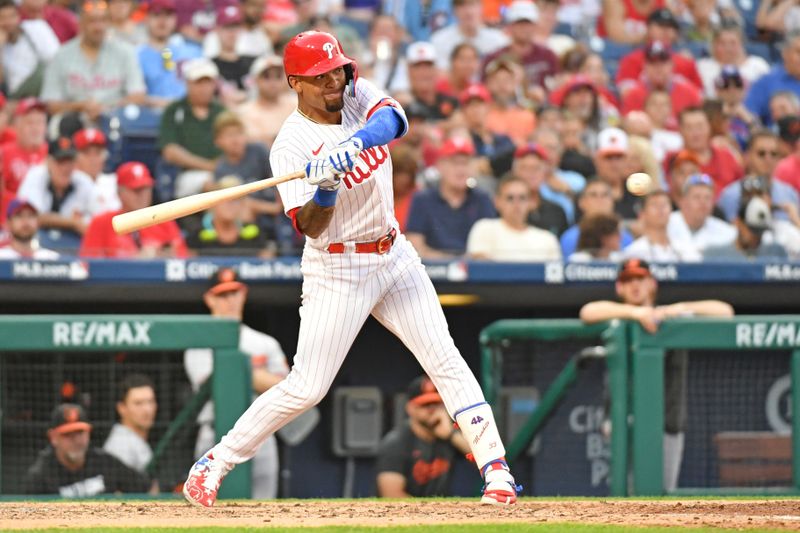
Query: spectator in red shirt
x,y
29,149
716,161
659,74
135,188
538,62
662,26
63,21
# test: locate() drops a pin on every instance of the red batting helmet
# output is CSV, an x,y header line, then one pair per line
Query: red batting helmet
x,y
312,53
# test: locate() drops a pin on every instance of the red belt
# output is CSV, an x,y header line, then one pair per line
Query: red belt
x,y
381,246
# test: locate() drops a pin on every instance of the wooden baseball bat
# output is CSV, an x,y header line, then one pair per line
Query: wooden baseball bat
x,y
156,214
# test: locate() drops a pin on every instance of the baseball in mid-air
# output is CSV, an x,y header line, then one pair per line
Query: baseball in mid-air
x,y
639,183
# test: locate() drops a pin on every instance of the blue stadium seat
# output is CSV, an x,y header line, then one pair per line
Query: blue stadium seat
x,y
763,50
562,28
64,242
611,52
132,133
698,50
748,10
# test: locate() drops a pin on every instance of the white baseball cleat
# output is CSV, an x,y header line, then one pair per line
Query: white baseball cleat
x,y
499,487
204,480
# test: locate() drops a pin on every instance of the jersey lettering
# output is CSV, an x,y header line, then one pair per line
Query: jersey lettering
x,y
372,158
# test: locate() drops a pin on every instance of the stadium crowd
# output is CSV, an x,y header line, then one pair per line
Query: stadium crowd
x,y
526,118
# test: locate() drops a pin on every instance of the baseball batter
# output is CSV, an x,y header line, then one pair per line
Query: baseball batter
x,y
355,263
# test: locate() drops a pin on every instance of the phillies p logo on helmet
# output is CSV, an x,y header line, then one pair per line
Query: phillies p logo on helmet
x,y
312,53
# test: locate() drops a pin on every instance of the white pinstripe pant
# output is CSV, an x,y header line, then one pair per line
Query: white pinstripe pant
x,y
339,292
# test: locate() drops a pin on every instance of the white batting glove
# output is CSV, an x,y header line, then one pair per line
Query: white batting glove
x,y
320,173
344,157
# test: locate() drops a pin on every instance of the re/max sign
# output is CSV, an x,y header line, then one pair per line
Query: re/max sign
x,y
767,334
79,333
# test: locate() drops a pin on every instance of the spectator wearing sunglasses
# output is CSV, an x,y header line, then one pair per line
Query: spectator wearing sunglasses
x,y
761,158
511,237
693,221
161,59
727,50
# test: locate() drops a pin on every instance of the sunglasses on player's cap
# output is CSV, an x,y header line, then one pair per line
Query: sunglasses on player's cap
x,y
633,269
225,280
68,418
422,391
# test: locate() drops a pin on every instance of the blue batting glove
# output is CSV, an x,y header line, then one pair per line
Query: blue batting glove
x,y
320,173
344,157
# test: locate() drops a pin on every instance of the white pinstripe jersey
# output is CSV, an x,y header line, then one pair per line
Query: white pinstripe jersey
x,y
365,204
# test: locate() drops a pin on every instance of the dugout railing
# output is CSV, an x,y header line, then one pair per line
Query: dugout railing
x,y
70,336
635,384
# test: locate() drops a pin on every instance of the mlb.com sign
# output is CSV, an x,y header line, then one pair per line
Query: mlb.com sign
x,y
99,333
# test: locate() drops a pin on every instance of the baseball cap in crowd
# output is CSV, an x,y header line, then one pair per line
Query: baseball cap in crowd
x,y
456,146
199,68
225,279
421,391
531,149
578,81
663,17
230,15
756,214
420,52
633,269
161,6
89,137
61,149
697,179
134,175
476,91
612,141
683,156
789,128
729,76
657,51
18,204
26,105
265,62
755,184
520,10
69,417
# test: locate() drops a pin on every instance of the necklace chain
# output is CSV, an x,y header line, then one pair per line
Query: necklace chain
x,y
306,116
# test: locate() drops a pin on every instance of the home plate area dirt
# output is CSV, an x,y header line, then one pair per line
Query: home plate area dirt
x,y
737,514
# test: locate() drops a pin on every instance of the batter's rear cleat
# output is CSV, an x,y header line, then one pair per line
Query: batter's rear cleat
x,y
499,487
204,479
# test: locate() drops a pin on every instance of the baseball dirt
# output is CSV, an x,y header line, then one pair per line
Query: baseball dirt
x,y
739,514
